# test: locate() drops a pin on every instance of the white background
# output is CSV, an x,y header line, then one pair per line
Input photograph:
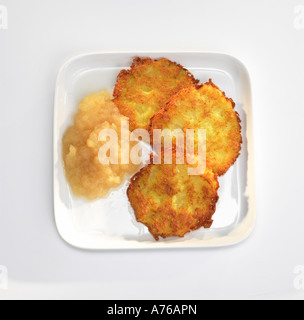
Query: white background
x,y
41,36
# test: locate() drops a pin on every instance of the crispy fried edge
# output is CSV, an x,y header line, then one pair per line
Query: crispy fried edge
x,y
137,61
171,103
132,188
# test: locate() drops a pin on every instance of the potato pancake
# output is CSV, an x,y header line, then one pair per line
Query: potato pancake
x,y
205,107
170,202
144,89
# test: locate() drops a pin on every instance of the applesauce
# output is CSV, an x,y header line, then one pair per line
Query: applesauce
x,y
86,175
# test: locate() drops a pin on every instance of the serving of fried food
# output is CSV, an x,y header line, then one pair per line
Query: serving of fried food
x,y
157,95
170,202
205,107
144,89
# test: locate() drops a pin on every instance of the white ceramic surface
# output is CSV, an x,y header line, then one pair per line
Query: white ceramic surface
x,y
109,223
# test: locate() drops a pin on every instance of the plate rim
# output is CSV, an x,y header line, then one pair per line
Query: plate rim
x,y
246,227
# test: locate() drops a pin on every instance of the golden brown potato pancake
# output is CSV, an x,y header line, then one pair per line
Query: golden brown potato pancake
x,y
144,89
170,202
205,107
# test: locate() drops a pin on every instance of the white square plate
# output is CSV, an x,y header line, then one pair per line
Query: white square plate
x,y
109,223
